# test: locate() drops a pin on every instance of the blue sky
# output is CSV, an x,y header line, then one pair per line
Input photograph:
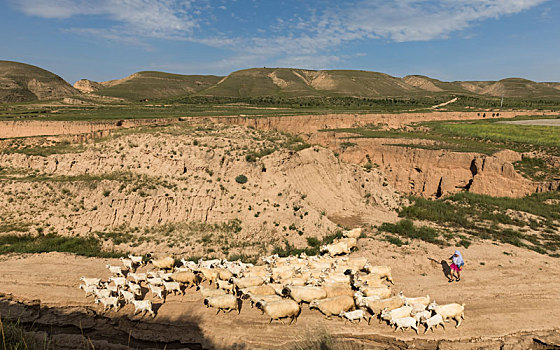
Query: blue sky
x,y
444,39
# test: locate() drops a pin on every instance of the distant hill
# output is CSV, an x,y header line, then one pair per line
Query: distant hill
x,y
156,85
287,82
299,82
20,82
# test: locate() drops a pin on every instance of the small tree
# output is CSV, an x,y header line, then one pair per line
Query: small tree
x,y
241,179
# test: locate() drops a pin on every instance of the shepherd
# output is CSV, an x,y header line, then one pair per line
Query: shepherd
x,y
456,266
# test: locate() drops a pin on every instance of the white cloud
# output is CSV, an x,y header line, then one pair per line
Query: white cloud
x,y
159,19
309,39
415,20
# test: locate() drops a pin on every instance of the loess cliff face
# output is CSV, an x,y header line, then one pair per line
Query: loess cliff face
x,y
417,171
150,180
436,173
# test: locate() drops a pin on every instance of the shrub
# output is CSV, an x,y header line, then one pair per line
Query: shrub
x,y
406,228
241,179
313,242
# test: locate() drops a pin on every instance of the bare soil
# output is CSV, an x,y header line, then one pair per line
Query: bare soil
x,y
506,296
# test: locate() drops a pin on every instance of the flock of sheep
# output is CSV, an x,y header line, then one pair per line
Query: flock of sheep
x,y
341,286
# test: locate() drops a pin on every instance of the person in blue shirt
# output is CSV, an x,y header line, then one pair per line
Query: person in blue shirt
x,y
456,265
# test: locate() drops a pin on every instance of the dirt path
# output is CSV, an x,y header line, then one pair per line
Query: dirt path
x,y
504,294
540,122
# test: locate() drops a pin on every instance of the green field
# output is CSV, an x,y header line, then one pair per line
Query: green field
x,y
492,131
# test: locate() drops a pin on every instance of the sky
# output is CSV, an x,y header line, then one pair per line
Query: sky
x,y
444,39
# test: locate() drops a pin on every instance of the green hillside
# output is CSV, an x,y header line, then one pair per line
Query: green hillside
x,y
286,82
156,85
20,82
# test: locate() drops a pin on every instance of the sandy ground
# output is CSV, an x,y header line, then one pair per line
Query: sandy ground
x,y
541,122
503,293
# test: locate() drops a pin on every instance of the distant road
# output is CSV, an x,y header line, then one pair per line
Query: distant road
x,y
542,122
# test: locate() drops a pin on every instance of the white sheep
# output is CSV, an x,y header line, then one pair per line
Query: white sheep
x,y
454,311
88,289
226,302
127,296
354,233
115,270
351,243
304,294
138,277
91,281
187,277
210,275
403,311
418,300
113,288
128,264
405,322
157,291
382,292
119,281
108,303
362,301
210,292
246,282
421,315
173,287
356,315
143,306
224,274
433,322
103,293
333,306
228,287
209,263
335,249
136,259
156,281
277,310
381,271
166,263
376,306
255,298
135,288
265,289
191,265
337,289
417,308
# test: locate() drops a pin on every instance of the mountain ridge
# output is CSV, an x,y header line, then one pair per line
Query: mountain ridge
x,y
21,82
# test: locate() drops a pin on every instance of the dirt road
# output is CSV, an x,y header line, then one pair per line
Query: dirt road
x,y
506,290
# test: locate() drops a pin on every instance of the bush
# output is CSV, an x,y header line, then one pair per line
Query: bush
x,y
406,228
313,242
241,179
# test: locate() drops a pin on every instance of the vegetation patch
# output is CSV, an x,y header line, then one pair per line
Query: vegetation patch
x,y
89,246
314,246
406,228
499,218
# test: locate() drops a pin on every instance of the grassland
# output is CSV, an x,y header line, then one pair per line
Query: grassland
x,y
484,136
89,246
532,221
